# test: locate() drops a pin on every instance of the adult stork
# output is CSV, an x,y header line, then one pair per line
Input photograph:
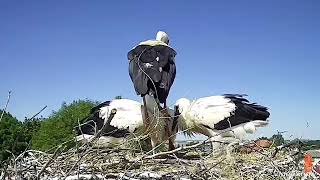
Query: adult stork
x,y
152,70
219,117
126,121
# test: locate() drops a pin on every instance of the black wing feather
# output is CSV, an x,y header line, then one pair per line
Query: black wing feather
x,y
150,74
93,123
245,112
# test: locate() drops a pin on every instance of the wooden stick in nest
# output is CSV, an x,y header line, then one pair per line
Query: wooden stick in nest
x,y
180,148
97,136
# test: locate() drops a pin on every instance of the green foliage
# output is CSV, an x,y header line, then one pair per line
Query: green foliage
x,y
311,145
277,139
262,138
59,126
12,138
118,97
31,127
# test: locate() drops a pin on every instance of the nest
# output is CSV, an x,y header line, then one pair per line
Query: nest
x,y
186,162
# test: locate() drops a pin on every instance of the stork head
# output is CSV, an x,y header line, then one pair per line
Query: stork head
x,y
183,105
162,36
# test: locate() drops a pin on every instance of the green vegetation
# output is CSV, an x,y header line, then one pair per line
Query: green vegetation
x,y
12,138
118,97
311,144
277,139
46,133
59,126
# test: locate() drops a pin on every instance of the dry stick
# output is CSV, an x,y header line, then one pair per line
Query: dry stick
x,y
4,173
175,150
5,107
274,166
279,148
206,170
50,160
78,155
180,148
15,164
184,167
38,112
113,112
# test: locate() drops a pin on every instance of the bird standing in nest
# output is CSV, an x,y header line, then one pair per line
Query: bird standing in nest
x,y
152,70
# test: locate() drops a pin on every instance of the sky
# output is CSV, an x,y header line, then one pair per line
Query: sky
x,y
59,51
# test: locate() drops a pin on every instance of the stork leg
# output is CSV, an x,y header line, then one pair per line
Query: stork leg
x,y
168,127
147,124
146,116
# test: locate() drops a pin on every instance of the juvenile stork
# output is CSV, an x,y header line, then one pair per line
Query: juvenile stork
x,y
126,121
220,117
152,70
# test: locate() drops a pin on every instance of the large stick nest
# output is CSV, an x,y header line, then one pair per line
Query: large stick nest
x,y
190,162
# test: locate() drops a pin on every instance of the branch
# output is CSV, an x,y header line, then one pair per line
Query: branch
x,y
113,112
180,148
98,135
50,160
39,112
5,107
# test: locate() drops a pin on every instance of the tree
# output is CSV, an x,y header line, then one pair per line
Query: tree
x,y
59,126
277,139
263,138
118,97
31,127
12,139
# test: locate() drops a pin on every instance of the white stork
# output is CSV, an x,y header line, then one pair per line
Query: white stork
x,y
127,121
152,70
219,117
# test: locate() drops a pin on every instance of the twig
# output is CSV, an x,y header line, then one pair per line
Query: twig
x,y
113,112
50,160
204,171
98,135
5,107
180,148
38,112
14,162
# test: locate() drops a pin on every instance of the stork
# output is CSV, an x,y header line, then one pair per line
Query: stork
x,y
219,117
152,70
127,121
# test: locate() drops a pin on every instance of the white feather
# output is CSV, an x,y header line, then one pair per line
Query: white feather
x,y
103,141
128,114
208,110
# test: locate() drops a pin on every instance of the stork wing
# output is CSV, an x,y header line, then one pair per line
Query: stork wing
x,y
211,110
168,76
155,62
128,115
139,79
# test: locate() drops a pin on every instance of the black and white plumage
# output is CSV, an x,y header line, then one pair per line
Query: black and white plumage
x,y
152,67
127,121
152,70
229,115
120,127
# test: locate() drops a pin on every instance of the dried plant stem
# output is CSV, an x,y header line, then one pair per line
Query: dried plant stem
x,y
5,107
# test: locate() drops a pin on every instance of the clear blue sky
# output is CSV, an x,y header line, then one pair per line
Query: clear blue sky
x,y
55,51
